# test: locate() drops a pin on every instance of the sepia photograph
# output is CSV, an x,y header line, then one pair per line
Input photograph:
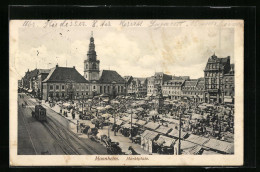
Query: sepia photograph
x,y
126,92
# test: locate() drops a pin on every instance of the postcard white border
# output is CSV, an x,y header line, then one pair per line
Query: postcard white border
x,y
154,160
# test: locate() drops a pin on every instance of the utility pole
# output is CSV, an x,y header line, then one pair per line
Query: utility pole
x,y
179,133
131,127
114,122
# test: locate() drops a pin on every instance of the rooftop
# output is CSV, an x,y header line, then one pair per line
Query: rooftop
x,y
110,76
65,74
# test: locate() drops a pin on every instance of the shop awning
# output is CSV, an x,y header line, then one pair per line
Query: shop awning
x,y
111,120
163,130
149,134
141,122
126,118
175,133
106,115
127,125
193,150
152,125
119,122
220,146
187,145
165,141
197,139
175,121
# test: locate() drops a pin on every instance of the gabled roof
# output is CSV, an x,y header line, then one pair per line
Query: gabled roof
x,y
64,74
139,80
33,73
163,76
110,76
128,79
44,71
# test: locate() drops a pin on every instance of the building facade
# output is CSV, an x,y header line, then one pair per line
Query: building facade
x,y
138,87
214,73
111,83
173,89
150,86
41,76
158,79
229,86
65,83
189,90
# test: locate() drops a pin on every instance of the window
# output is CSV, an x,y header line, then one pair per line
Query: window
x,y
101,89
51,87
62,94
94,66
57,87
94,87
63,87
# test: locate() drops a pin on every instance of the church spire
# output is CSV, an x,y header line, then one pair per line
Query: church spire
x,y
91,51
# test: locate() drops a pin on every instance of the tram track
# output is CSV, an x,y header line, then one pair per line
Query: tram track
x,y
69,141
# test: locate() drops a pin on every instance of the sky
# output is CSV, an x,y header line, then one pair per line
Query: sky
x,y
138,51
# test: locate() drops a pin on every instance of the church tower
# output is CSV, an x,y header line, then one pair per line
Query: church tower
x,y
91,64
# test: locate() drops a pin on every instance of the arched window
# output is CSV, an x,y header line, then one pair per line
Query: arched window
x,y
94,66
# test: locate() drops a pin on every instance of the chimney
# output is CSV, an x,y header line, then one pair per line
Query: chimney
x,y
74,67
57,65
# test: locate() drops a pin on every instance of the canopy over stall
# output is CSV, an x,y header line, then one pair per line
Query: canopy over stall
x,y
152,125
220,146
175,133
165,141
163,130
197,139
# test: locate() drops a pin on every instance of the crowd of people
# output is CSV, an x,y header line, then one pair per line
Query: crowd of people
x,y
197,118
211,121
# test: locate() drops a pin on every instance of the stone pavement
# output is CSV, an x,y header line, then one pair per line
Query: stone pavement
x,y
56,108
124,142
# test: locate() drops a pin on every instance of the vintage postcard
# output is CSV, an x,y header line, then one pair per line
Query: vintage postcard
x,y
126,92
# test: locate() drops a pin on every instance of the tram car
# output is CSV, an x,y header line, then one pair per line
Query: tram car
x,y
39,113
